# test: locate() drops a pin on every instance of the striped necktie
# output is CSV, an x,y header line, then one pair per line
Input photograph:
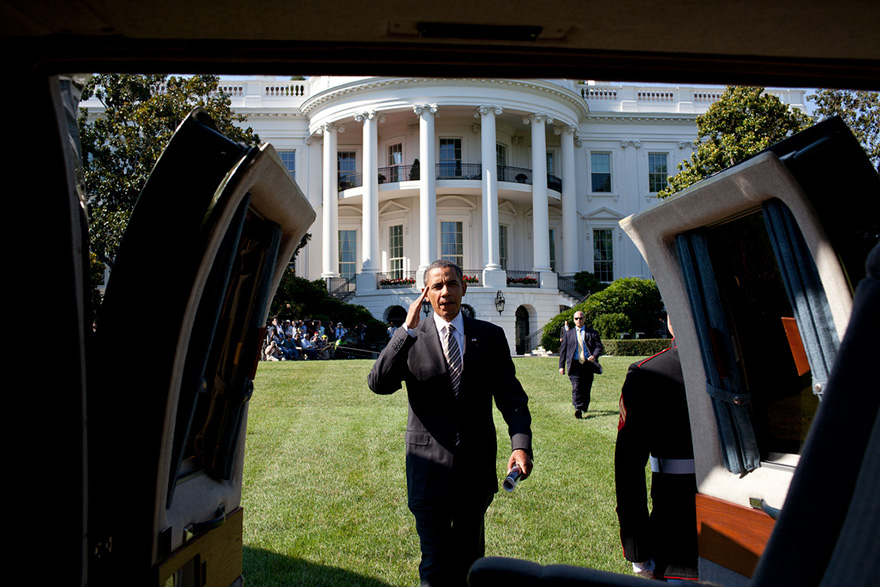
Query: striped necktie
x,y
453,357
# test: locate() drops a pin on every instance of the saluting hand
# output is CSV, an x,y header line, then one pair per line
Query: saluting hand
x,y
413,315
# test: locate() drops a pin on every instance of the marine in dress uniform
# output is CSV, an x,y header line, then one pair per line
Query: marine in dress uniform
x,y
654,426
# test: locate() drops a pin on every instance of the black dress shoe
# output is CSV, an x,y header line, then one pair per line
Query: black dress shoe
x,y
578,414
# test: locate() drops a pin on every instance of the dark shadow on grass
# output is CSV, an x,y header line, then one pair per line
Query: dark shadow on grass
x,y
264,568
600,413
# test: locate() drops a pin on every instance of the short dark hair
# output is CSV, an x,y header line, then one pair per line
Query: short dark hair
x,y
442,264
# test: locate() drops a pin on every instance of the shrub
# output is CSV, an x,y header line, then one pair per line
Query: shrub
x,y
587,283
611,325
643,347
638,299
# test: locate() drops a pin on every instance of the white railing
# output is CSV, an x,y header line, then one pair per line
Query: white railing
x,y
655,96
598,93
709,97
232,90
295,89
604,97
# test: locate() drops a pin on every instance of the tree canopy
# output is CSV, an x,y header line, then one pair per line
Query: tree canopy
x,y
122,144
744,122
860,111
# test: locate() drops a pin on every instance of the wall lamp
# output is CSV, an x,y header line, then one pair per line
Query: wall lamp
x,y
499,302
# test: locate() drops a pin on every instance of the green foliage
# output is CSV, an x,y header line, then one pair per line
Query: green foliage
x,y
638,299
641,347
299,298
744,122
860,111
96,278
587,283
611,325
121,146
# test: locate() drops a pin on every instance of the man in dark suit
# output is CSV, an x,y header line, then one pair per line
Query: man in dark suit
x,y
453,367
579,353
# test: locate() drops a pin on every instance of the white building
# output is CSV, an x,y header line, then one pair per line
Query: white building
x,y
522,182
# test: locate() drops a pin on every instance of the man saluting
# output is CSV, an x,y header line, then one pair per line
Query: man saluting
x,y
453,367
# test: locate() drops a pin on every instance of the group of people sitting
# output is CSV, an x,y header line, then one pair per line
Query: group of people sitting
x,y
291,340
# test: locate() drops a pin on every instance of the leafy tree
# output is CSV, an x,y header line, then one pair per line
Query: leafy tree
x,y
860,111
121,146
744,122
637,299
96,275
587,283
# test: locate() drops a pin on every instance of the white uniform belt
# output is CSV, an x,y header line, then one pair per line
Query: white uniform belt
x,y
673,466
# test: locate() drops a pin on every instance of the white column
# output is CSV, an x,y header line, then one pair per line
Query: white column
x,y
427,189
330,244
540,212
491,251
570,259
370,237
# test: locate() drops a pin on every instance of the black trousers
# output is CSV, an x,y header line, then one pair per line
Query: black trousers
x,y
452,536
581,377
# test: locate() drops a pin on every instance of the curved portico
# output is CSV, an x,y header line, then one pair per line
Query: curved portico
x,y
504,153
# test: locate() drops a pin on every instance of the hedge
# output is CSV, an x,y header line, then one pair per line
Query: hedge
x,y
641,347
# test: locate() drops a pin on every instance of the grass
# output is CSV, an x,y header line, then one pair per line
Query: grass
x,y
324,489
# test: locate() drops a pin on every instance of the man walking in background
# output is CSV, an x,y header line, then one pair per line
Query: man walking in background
x,y
579,353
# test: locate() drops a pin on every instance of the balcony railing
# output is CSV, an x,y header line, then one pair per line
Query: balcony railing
x,y
396,279
344,288
522,279
445,171
399,279
459,170
350,179
473,276
398,173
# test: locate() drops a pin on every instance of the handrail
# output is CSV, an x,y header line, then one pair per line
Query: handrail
x,y
341,287
445,171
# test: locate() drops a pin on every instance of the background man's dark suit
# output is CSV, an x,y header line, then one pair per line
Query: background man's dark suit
x,y
450,440
580,374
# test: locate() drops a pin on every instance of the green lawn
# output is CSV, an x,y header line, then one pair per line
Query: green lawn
x,y
324,488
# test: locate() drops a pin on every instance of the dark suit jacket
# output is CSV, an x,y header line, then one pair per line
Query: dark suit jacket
x,y
437,417
568,349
